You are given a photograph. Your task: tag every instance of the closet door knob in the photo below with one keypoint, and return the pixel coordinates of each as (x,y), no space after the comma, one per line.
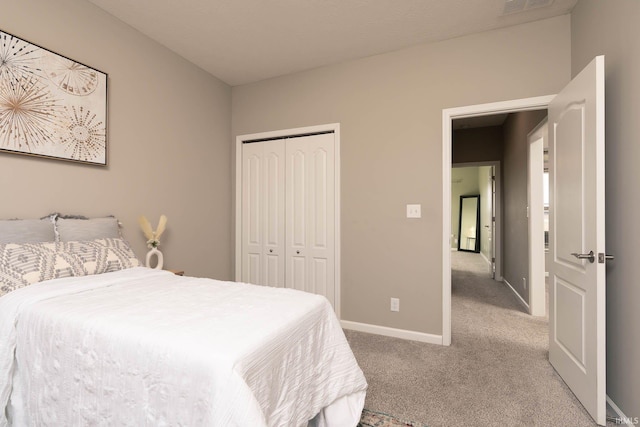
(298,252)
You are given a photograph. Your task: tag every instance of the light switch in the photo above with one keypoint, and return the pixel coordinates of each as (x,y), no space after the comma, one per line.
(414,211)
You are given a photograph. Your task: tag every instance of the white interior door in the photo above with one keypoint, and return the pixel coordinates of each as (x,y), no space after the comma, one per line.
(310,226)
(263,199)
(577,229)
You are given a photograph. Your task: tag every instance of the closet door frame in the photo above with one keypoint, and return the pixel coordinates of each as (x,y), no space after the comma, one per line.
(284,133)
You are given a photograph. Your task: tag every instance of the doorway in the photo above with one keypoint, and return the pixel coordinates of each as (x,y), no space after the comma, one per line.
(448,115)
(483,179)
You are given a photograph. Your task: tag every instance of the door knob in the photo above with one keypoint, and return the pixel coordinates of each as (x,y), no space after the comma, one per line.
(298,252)
(271,250)
(590,256)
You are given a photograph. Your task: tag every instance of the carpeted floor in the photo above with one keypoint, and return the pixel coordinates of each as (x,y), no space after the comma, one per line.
(495,373)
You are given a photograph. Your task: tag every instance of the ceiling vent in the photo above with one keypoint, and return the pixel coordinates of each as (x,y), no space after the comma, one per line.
(515,6)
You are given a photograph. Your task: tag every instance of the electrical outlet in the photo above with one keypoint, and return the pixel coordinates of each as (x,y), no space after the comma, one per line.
(524,283)
(395,304)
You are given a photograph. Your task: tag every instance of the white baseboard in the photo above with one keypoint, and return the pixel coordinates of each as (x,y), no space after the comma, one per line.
(520,299)
(392,332)
(625,421)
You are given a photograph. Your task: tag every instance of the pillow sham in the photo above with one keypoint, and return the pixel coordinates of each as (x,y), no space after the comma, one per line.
(24,264)
(73,229)
(27,231)
(100,255)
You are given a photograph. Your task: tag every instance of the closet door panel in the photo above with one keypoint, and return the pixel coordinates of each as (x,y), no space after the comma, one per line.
(310,185)
(254,269)
(319,281)
(298,273)
(297,195)
(322,215)
(263,213)
(274,216)
(252,229)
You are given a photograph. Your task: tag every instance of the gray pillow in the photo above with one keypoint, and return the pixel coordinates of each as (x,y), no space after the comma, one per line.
(71,230)
(27,231)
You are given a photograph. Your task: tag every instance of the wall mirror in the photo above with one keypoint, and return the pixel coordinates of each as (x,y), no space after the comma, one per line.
(468,230)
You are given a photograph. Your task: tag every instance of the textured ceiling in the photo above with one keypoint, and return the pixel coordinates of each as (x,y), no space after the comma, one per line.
(243,41)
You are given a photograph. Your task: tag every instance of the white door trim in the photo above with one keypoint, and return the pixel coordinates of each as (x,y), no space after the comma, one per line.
(331,127)
(448,115)
(535,167)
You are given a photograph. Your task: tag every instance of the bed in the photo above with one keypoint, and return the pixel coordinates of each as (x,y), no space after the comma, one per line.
(91,338)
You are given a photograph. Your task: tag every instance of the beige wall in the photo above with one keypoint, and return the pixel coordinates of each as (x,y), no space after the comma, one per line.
(168,139)
(515,225)
(390,109)
(611,28)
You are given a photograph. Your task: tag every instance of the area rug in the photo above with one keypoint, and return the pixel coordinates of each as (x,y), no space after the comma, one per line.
(380,419)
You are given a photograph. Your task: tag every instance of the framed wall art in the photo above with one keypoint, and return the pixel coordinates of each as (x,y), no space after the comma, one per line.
(50,105)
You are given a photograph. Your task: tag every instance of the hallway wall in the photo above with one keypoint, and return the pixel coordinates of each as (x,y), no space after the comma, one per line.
(514,199)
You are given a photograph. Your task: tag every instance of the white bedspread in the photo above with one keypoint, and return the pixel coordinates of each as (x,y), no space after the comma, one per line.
(143,347)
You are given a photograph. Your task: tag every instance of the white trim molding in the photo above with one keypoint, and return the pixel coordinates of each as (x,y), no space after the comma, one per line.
(392,332)
(448,115)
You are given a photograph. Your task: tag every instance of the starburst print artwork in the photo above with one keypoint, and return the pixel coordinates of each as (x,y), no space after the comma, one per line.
(50,105)
(84,137)
(17,58)
(71,77)
(27,114)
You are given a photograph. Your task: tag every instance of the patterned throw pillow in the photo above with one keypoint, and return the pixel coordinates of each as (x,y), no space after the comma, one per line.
(100,256)
(24,264)
(27,263)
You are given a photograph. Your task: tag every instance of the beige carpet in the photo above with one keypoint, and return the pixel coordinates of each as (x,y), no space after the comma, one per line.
(495,373)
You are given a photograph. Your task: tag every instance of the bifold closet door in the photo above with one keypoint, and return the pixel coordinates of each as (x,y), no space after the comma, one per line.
(263,213)
(310,214)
